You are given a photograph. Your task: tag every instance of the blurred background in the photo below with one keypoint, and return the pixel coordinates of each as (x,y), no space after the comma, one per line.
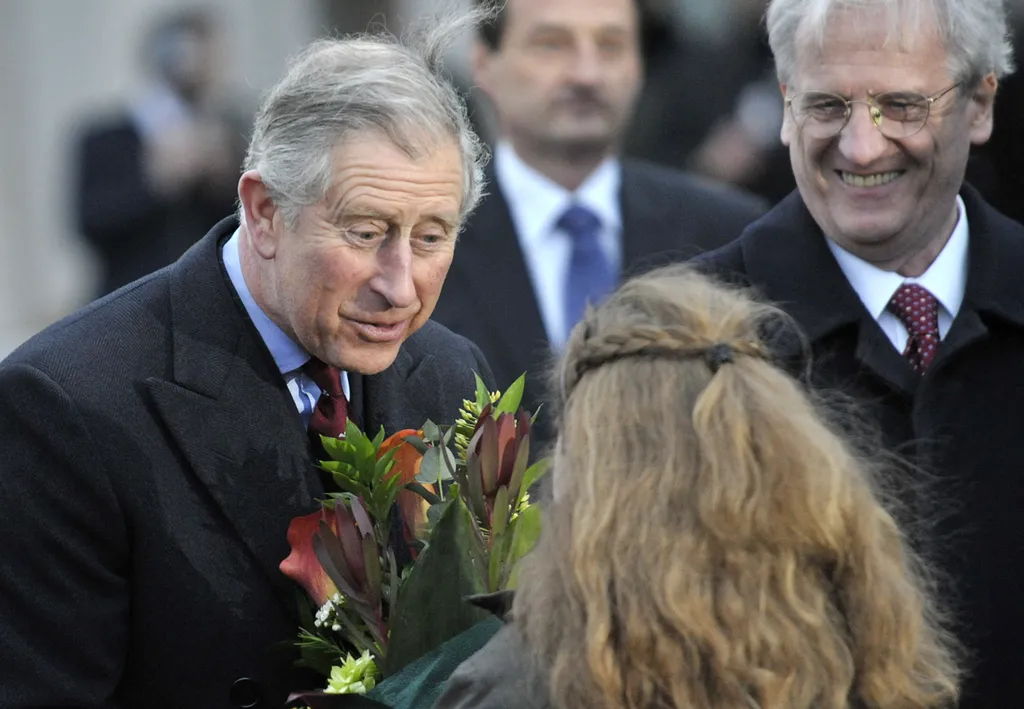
(88,84)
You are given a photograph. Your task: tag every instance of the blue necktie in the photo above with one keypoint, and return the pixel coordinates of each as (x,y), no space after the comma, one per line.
(590,277)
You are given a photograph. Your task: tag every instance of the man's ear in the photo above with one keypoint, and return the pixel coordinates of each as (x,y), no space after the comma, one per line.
(982,102)
(786,134)
(262,217)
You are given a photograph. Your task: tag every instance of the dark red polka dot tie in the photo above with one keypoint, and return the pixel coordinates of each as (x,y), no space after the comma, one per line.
(331,412)
(918,310)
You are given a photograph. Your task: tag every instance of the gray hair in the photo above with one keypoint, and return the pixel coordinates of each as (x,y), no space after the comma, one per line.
(369,82)
(974,32)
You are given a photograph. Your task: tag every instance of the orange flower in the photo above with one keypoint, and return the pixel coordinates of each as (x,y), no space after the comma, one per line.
(344,531)
(302,566)
(412,507)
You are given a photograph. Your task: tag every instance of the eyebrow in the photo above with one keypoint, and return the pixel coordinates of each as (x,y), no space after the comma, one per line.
(552,28)
(369,213)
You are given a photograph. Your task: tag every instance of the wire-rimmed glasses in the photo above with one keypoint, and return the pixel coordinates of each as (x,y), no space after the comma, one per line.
(897,114)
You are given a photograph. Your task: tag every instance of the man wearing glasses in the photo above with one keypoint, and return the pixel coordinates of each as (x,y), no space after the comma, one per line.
(908,286)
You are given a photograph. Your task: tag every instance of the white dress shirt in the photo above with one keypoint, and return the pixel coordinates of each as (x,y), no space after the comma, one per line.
(946,279)
(287,354)
(536,203)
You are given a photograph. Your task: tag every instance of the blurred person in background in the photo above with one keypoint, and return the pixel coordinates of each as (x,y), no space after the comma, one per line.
(713,542)
(710,101)
(907,282)
(152,178)
(566,216)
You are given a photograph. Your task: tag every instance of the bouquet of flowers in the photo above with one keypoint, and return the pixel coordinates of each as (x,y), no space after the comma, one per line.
(424,518)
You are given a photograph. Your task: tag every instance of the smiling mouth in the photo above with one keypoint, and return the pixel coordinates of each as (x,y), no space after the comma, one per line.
(876,179)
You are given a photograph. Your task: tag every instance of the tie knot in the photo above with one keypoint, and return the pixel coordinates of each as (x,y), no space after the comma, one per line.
(579,222)
(916,308)
(325,376)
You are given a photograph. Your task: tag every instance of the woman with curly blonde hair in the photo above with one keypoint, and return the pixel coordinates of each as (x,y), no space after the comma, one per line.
(713,541)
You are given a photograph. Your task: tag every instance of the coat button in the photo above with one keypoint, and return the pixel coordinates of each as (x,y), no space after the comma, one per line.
(246,693)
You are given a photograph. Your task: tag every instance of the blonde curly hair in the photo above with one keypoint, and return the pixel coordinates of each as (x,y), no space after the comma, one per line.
(713,541)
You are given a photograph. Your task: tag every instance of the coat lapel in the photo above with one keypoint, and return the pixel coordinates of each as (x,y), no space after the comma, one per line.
(230,414)
(993,284)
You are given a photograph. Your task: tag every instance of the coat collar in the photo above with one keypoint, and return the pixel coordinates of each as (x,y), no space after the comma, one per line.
(786,256)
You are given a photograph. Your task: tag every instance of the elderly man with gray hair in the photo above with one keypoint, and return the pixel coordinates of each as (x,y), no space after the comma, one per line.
(158,443)
(908,284)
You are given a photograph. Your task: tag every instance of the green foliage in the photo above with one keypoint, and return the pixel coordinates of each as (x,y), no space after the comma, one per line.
(430,608)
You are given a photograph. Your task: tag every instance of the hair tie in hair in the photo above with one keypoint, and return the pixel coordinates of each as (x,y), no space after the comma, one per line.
(719,354)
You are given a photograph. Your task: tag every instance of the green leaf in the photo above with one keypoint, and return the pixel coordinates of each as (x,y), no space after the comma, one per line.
(430,466)
(349,484)
(363,445)
(339,449)
(448,434)
(501,513)
(434,513)
(379,438)
(535,472)
(353,434)
(431,431)
(483,396)
(513,396)
(382,466)
(494,565)
(339,467)
(430,607)
(448,460)
(525,533)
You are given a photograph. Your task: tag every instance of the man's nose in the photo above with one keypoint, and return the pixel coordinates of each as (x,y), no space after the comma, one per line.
(860,141)
(394,280)
(586,66)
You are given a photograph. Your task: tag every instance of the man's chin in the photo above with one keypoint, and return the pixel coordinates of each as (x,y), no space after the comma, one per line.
(370,359)
(583,143)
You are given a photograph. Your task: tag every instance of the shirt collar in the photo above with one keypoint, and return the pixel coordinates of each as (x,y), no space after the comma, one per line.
(946,278)
(536,202)
(288,355)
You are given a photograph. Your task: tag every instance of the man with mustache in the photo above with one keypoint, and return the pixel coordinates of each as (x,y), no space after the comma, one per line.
(566,217)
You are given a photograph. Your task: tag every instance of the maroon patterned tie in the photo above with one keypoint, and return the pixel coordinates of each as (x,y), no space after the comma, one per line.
(918,310)
(331,412)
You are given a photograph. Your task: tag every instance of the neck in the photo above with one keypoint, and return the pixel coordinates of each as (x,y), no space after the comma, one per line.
(567,166)
(915,264)
(253,271)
